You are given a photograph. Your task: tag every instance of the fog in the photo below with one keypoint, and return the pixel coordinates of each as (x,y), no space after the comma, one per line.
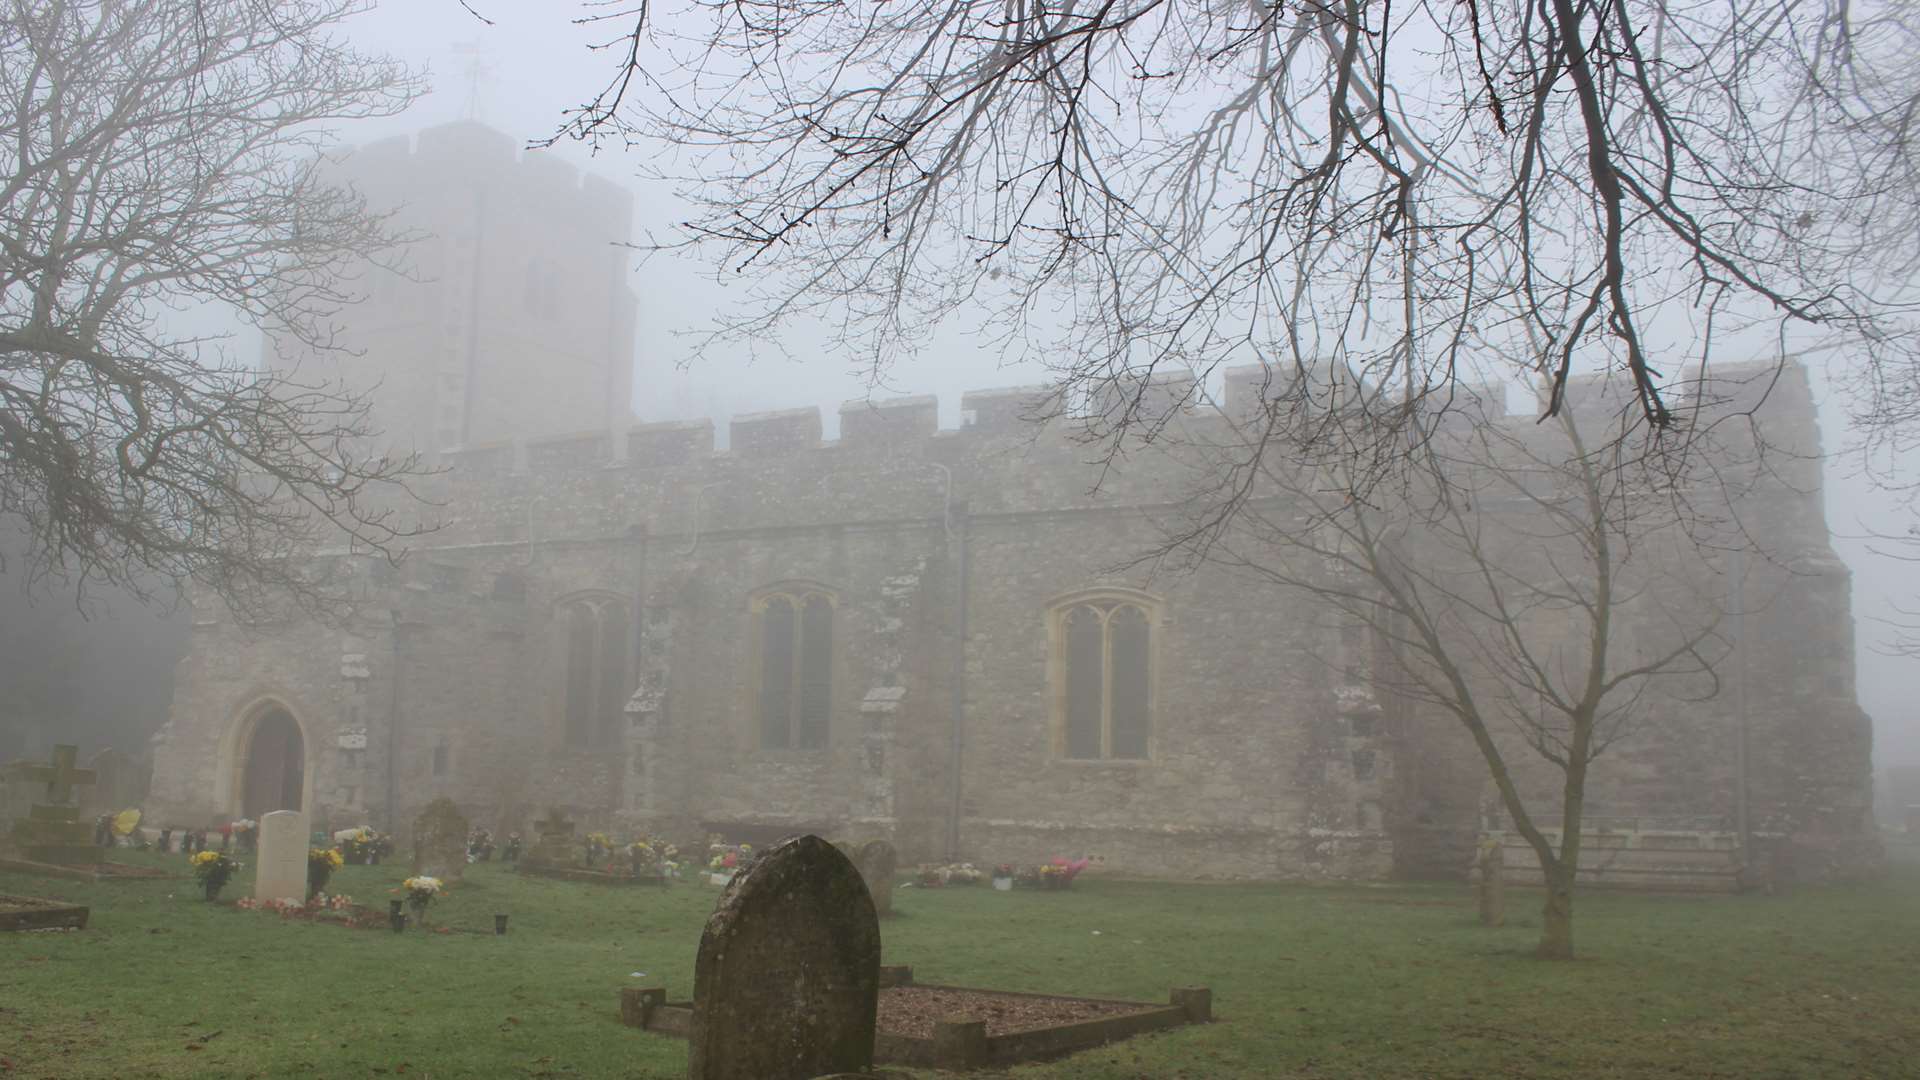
(534,67)
(1059,525)
(521,73)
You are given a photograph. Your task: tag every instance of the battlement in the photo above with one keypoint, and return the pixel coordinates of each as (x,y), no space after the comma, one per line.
(909,426)
(472,152)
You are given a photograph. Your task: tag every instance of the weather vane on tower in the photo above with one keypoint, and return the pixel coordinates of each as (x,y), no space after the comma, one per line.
(477,70)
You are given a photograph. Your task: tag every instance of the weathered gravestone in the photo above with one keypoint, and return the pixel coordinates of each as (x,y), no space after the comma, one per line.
(280,866)
(440,841)
(16,803)
(1492,884)
(52,831)
(787,985)
(878,864)
(120,783)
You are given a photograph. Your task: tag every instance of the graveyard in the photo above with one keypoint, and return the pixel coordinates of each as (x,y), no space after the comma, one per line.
(1306,981)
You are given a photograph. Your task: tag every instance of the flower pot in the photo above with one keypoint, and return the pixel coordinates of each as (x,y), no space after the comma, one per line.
(212,887)
(1004,884)
(499,924)
(720,879)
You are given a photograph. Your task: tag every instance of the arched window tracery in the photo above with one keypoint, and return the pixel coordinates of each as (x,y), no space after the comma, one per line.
(595,641)
(1104,675)
(794,629)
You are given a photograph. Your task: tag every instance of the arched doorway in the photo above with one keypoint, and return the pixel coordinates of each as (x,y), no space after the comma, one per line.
(276,768)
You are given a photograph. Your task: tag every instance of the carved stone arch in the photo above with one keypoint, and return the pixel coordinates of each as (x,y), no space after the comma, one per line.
(599,599)
(268,753)
(793,588)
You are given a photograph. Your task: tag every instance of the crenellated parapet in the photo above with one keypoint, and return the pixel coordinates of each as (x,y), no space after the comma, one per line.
(476,151)
(1029,424)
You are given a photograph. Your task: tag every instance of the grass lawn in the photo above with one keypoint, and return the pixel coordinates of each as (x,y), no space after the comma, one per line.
(1307,982)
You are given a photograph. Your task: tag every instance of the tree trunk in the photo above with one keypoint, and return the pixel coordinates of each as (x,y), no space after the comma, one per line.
(1556,934)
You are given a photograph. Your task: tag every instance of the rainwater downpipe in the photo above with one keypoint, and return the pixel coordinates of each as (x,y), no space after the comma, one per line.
(393,730)
(954,518)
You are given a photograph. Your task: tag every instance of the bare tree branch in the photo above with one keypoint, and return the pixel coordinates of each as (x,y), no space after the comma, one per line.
(156,156)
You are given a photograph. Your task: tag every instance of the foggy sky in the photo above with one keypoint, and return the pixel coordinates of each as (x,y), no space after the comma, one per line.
(535,64)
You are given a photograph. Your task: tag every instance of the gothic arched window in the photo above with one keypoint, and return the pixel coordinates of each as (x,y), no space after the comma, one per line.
(595,640)
(1103,675)
(793,627)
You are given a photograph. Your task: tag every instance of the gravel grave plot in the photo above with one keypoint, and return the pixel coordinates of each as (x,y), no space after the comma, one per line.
(913,1010)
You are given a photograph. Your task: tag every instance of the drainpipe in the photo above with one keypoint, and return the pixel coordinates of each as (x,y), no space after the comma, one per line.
(393,730)
(957,531)
(636,658)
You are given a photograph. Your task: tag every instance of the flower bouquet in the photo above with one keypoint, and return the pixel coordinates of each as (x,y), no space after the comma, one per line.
(1003,876)
(421,891)
(1059,873)
(725,861)
(364,846)
(934,877)
(321,863)
(651,855)
(599,846)
(214,869)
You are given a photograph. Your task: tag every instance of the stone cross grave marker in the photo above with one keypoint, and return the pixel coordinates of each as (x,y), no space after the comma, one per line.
(440,841)
(280,866)
(787,984)
(878,863)
(52,832)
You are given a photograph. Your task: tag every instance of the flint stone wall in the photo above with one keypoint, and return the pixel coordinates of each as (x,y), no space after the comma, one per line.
(1266,761)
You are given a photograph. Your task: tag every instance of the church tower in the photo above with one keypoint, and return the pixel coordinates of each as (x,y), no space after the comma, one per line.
(513,318)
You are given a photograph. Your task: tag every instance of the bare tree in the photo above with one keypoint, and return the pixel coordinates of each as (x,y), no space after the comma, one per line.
(1128,186)
(1525,583)
(155,156)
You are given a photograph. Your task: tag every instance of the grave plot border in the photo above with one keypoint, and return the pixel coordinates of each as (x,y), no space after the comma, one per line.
(89,872)
(581,873)
(37,913)
(964,1045)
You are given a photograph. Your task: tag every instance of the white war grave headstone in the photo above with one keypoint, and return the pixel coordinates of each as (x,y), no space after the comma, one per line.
(280,869)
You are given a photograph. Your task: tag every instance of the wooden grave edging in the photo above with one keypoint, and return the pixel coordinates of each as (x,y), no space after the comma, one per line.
(964,1044)
(89,872)
(35,913)
(581,873)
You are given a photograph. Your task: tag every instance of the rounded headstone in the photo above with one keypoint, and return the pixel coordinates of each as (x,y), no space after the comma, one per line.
(787,985)
(878,863)
(440,841)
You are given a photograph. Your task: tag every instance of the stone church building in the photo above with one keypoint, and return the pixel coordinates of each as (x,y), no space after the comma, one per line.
(912,633)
